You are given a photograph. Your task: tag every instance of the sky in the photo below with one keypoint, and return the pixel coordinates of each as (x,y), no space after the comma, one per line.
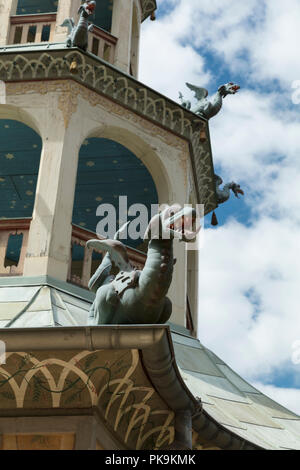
(249,265)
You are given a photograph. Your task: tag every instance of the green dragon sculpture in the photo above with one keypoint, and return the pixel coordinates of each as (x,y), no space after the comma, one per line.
(78,35)
(139,297)
(205,107)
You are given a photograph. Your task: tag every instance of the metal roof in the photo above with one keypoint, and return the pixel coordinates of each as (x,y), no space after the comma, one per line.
(232,401)
(229,403)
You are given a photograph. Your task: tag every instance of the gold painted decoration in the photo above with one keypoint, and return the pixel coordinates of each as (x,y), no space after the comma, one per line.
(114,381)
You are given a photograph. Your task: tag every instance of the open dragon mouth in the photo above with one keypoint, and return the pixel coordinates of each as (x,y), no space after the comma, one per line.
(237,190)
(234,88)
(90,8)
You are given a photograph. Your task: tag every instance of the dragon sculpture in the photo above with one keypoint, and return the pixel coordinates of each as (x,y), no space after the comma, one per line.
(78,35)
(140,296)
(205,107)
(224,194)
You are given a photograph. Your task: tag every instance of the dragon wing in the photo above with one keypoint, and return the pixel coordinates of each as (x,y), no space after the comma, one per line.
(200,93)
(116,249)
(68,23)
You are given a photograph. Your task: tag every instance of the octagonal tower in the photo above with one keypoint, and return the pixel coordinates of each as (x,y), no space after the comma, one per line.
(78,130)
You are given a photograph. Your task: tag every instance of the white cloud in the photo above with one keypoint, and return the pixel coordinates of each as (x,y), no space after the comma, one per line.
(289,396)
(249,276)
(165,62)
(264,33)
(238,263)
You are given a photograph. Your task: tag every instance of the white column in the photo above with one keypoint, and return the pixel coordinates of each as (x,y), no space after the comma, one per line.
(193,284)
(122,29)
(66,9)
(7,9)
(50,232)
(135,41)
(177,292)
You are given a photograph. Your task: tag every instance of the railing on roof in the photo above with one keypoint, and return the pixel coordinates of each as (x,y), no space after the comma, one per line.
(81,271)
(102,44)
(39,28)
(13,247)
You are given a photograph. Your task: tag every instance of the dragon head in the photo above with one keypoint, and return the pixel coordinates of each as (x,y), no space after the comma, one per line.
(228,89)
(236,189)
(88,8)
(174,222)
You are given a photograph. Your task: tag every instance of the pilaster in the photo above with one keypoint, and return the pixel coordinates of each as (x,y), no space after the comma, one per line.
(122,29)
(7,9)
(49,241)
(66,9)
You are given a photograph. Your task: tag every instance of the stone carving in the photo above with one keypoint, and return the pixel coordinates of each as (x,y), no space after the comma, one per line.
(205,107)
(140,296)
(78,35)
(224,194)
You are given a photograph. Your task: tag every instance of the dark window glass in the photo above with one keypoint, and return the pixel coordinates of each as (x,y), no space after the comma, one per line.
(46,33)
(29,7)
(18,35)
(31,34)
(95,46)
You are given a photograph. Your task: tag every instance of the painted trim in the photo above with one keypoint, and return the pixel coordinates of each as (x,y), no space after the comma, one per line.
(39,18)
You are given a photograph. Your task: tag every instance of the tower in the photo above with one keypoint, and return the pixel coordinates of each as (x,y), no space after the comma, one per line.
(78,130)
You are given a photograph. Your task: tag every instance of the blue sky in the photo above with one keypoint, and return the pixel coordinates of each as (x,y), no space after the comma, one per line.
(249,270)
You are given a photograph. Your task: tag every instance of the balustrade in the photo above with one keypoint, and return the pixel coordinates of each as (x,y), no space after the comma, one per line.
(81,271)
(38,28)
(32,28)
(13,252)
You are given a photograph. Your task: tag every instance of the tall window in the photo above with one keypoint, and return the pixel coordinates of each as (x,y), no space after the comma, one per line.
(20,150)
(103,15)
(30,7)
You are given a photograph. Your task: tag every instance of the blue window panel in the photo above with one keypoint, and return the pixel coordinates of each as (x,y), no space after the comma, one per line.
(103,14)
(30,7)
(20,150)
(13,250)
(107,170)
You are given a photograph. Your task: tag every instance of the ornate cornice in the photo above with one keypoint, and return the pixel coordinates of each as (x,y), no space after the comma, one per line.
(107,81)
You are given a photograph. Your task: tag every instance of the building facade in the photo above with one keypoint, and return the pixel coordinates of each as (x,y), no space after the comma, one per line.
(78,130)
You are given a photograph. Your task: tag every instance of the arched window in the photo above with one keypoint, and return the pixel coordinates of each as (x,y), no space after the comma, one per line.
(107,171)
(20,151)
(30,7)
(103,15)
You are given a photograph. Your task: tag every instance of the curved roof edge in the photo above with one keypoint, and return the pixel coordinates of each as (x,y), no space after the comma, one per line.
(155,344)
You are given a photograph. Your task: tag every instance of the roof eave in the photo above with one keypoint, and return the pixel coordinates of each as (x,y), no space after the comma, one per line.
(155,344)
